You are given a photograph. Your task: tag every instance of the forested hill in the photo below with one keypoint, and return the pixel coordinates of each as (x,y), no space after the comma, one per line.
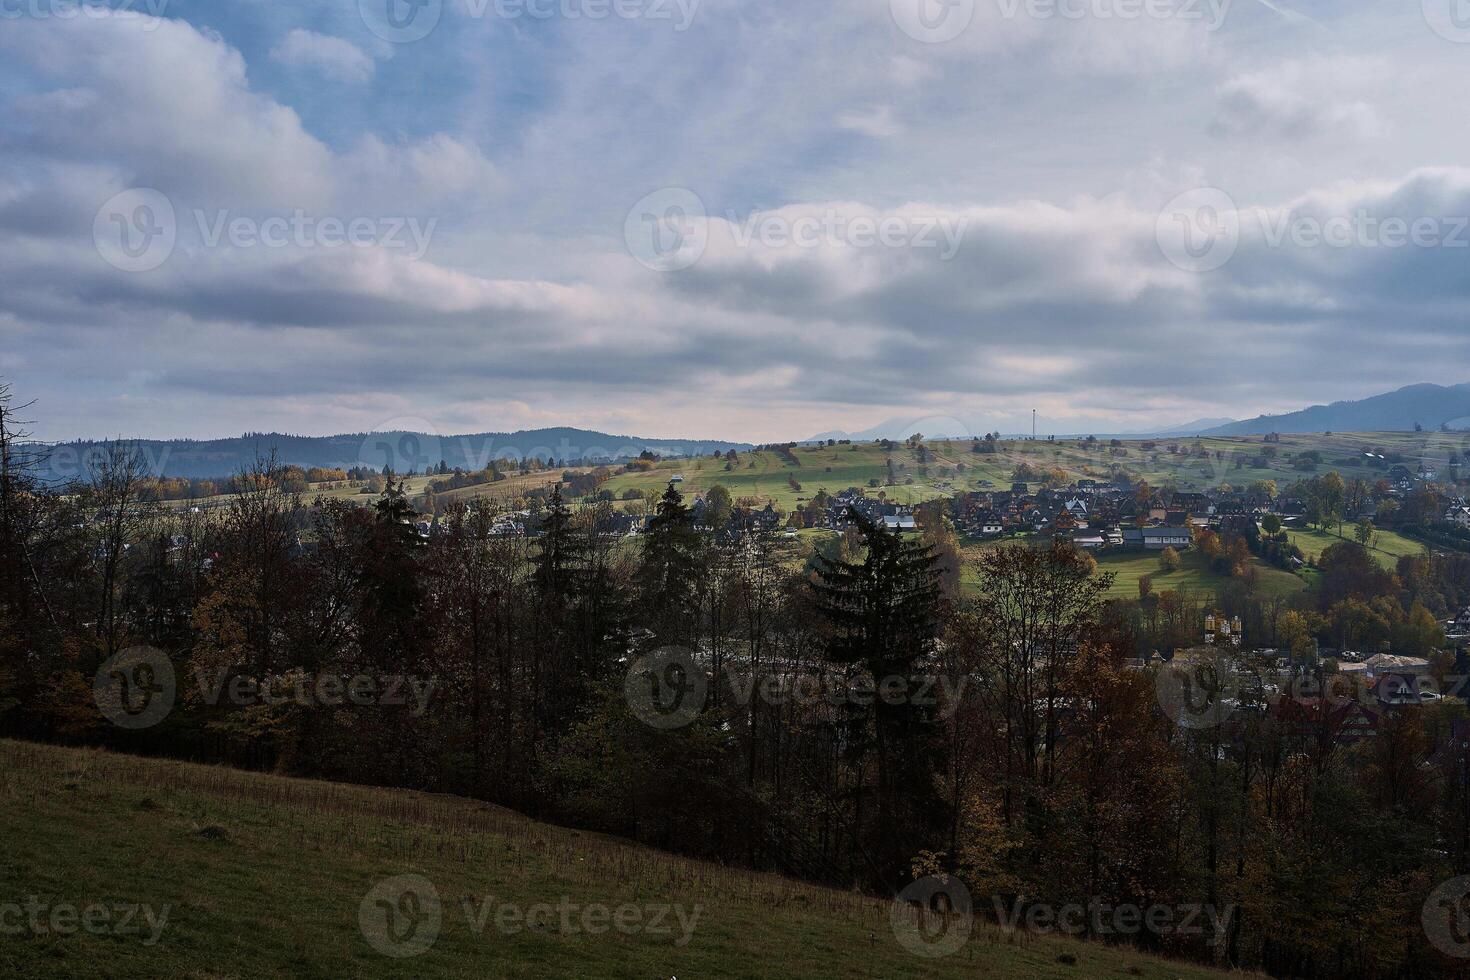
(1429,406)
(402,450)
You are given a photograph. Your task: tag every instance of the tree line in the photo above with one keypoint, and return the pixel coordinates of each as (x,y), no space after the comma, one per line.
(988,722)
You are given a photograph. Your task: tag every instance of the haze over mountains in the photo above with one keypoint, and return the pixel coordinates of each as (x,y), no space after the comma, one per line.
(401,451)
(1429,406)
(1426,405)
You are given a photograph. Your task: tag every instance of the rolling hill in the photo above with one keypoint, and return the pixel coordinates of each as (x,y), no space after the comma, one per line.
(404,451)
(1426,405)
(240,874)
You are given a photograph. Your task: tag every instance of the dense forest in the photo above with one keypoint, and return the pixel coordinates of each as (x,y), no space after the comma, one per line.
(860,720)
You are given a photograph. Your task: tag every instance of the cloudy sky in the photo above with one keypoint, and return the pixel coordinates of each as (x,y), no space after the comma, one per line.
(751,219)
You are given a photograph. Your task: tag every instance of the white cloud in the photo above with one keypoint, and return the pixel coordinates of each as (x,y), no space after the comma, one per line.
(331,56)
(875,121)
(1299,100)
(1054,141)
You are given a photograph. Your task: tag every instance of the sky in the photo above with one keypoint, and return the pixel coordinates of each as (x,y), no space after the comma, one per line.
(732,219)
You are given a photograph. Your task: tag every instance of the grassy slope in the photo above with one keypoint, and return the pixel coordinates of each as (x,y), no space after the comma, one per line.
(1388,547)
(1193,575)
(505,490)
(764,474)
(265,876)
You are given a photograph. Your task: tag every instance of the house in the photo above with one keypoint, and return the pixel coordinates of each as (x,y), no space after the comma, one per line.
(1345,719)
(1158,538)
(1385,664)
(1458,515)
(900,522)
(989,523)
(1087,540)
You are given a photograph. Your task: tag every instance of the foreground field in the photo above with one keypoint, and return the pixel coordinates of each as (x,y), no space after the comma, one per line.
(261,876)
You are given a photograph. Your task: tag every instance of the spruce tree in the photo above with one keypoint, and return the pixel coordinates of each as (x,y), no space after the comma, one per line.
(671,569)
(882,615)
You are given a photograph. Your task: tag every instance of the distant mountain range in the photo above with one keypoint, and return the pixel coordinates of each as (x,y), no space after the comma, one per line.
(402,451)
(1429,406)
(1426,405)
(1009,427)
